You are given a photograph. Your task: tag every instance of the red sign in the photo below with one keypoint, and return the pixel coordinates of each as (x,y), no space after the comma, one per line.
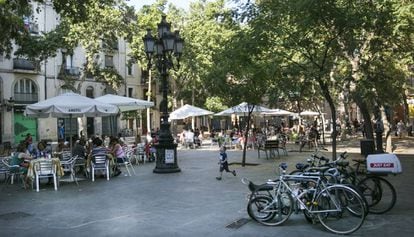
(382,165)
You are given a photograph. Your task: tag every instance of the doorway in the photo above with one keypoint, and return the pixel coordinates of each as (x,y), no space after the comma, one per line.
(90,126)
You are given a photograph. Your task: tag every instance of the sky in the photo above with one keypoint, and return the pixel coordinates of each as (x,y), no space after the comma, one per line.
(185,4)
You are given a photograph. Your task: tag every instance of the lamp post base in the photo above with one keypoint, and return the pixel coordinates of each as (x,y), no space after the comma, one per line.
(166,160)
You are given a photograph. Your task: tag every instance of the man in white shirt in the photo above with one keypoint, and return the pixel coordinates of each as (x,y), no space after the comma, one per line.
(189,138)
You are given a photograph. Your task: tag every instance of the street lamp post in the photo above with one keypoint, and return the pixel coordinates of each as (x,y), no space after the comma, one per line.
(163,49)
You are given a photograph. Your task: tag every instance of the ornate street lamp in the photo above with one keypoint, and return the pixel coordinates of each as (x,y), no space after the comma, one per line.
(163,49)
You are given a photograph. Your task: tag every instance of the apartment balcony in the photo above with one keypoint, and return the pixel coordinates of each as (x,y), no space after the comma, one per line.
(25,65)
(73,72)
(25,98)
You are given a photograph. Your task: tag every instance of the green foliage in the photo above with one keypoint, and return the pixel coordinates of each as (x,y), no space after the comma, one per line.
(208,26)
(130,115)
(12,27)
(215,104)
(108,76)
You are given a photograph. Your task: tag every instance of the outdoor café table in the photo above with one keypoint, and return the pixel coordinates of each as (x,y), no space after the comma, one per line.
(34,162)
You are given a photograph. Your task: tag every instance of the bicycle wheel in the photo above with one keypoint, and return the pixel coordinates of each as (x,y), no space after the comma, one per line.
(340,209)
(356,189)
(296,172)
(270,211)
(379,193)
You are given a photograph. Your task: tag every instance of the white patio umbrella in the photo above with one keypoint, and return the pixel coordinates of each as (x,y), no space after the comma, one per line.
(70,105)
(277,112)
(188,111)
(125,103)
(309,113)
(242,109)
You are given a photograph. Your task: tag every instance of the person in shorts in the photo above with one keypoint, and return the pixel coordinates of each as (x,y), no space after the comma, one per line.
(224,165)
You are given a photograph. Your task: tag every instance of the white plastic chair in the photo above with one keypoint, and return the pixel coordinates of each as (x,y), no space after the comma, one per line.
(68,166)
(127,163)
(10,171)
(45,168)
(140,152)
(99,162)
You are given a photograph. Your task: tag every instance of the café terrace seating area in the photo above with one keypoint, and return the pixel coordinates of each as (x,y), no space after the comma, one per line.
(50,170)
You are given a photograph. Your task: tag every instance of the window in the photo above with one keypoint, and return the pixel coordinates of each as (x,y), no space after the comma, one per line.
(25,90)
(89,92)
(130,90)
(129,68)
(109,61)
(25,86)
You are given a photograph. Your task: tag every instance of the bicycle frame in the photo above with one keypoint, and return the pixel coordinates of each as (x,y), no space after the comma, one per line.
(297,198)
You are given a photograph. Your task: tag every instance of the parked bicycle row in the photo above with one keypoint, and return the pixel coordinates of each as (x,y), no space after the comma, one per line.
(334,193)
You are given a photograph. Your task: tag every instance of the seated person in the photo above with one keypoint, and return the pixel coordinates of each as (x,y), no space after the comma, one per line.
(79,148)
(43,149)
(118,153)
(20,159)
(62,146)
(98,148)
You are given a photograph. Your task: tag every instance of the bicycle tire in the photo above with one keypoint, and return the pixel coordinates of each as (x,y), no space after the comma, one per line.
(296,172)
(356,189)
(340,209)
(379,193)
(270,212)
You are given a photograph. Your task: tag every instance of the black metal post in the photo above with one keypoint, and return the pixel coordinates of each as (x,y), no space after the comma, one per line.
(164,48)
(166,149)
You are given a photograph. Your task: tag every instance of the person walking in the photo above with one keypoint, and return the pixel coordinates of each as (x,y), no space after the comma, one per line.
(400,129)
(224,165)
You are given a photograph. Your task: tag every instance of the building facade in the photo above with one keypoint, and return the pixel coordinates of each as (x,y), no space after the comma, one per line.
(23,82)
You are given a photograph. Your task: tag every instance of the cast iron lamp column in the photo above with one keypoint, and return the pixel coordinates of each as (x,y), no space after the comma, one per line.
(164,49)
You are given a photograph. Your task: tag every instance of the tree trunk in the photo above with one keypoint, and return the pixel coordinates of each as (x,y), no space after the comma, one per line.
(246,136)
(327,95)
(369,133)
(387,131)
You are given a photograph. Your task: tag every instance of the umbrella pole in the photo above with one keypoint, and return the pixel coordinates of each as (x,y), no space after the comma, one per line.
(70,132)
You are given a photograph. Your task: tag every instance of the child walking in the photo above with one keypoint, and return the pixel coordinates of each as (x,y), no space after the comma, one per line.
(224,165)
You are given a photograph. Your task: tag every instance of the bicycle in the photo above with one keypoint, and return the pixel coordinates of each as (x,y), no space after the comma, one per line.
(379,194)
(339,208)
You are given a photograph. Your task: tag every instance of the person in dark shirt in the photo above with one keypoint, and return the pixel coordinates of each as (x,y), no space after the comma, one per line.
(224,165)
(79,148)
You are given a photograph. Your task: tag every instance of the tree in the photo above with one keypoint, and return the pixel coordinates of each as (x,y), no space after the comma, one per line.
(207,25)
(239,74)
(296,35)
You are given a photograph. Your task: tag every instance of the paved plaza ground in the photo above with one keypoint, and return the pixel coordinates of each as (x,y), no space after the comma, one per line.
(189,203)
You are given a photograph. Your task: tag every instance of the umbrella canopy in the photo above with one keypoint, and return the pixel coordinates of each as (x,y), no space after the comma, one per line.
(70,105)
(277,112)
(309,113)
(188,111)
(125,103)
(242,109)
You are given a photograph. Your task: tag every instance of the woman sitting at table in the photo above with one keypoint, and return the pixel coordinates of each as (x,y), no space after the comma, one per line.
(21,158)
(99,149)
(118,154)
